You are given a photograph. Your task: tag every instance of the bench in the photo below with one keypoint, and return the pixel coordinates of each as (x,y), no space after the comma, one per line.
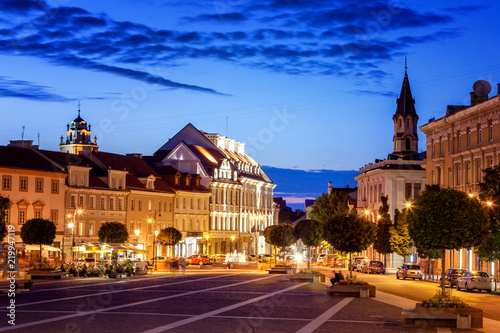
(410,317)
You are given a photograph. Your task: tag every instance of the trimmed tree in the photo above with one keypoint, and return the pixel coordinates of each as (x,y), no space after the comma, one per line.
(311,234)
(113,232)
(489,190)
(169,237)
(327,205)
(4,205)
(349,233)
(400,238)
(280,236)
(268,237)
(382,242)
(38,232)
(442,219)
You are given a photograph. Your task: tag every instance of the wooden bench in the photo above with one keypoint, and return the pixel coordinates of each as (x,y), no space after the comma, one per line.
(410,317)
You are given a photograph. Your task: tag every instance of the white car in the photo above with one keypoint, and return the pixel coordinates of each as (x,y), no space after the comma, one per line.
(474,280)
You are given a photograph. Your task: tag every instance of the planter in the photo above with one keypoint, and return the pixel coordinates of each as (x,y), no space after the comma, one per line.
(446,317)
(282,270)
(353,290)
(45,274)
(309,277)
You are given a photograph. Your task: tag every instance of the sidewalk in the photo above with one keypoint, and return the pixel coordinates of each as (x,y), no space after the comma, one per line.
(489,325)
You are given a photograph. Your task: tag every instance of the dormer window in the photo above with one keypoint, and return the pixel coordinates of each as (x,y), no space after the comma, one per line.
(150,184)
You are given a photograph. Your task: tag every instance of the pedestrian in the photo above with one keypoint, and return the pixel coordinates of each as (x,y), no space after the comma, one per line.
(174,266)
(337,278)
(183,265)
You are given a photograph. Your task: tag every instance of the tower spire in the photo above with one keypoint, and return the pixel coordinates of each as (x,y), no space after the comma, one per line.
(406,67)
(78,108)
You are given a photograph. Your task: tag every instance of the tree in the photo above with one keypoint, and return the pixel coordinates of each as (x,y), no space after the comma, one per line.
(382,242)
(38,232)
(349,233)
(400,238)
(113,232)
(428,255)
(280,235)
(489,190)
(4,205)
(328,205)
(311,234)
(441,219)
(169,237)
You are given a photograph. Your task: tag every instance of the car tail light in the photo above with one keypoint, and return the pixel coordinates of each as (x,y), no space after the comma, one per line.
(406,269)
(472,279)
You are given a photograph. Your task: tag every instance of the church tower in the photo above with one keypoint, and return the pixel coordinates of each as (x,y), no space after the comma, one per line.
(405,122)
(78,137)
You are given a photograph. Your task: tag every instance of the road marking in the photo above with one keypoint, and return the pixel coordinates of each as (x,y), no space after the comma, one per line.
(80,314)
(325,316)
(114,291)
(224,309)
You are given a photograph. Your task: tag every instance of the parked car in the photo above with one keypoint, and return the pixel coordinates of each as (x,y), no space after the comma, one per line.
(372,266)
(409,271)
(356,261)
(219,258)
(321,258)
(314,258)
(339,262)
(198,260)
(329,260)
(474,280)
(452,274)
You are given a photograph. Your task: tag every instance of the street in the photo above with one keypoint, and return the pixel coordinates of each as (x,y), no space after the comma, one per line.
(212,300)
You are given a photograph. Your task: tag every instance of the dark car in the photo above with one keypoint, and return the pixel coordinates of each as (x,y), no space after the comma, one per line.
(373,266)
(409,271)
(452,274)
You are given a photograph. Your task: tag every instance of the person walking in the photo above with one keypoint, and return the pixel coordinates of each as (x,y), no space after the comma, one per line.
(183,264)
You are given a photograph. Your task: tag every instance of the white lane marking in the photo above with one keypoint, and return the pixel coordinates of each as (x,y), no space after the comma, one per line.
(80,314)
(325,316)
(224,309)
(114,291)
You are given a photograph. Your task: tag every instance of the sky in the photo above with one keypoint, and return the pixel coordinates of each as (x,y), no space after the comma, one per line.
(306,84)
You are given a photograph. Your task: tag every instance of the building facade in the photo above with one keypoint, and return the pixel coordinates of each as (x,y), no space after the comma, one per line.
(460,145)
(401,176)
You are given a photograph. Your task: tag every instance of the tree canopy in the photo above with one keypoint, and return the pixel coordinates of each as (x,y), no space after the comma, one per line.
(327,205)
(38,232)
(113,232)
(4,205)
(489,190)
(311,234)
(382,241)
(169,236)
(441,219)
(400,238)
(282,235)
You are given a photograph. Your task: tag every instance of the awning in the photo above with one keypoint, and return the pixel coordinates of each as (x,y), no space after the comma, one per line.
(31,247)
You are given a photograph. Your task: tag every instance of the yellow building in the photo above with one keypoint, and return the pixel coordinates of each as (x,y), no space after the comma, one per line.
(35,187)
(459,146)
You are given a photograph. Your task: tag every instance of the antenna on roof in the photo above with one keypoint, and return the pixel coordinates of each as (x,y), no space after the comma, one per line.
(22,133)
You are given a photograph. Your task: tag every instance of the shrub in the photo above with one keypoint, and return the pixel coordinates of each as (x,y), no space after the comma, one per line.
(444,301)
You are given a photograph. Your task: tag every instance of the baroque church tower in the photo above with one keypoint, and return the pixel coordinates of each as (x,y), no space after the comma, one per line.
(405,122)
(78,137)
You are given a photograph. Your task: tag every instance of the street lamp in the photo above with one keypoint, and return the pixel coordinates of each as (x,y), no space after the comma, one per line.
(150,220)
(154,247)
(207,237)
(72,227)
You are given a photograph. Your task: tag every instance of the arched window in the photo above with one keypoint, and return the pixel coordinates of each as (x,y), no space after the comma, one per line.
(408,144)
(83,137)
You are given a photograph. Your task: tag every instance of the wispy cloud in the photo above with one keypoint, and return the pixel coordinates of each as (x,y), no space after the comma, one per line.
(301,37)
(28,90)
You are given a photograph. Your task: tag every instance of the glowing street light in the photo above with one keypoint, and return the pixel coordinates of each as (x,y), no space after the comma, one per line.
(207,237)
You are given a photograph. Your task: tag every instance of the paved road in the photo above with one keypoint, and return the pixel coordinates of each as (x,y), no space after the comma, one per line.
(204,300)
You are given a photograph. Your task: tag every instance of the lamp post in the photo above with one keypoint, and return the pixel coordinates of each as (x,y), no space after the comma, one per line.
(207,237)
(72,227)
(154,247)
(150,220)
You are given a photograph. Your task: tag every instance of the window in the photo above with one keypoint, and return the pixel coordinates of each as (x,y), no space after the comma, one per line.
(467,173)
(450,143)
(459,174)
(91,229)
(176,202)
(139,205)
(38,184)
(132,204)
(150,228)
(22,216)
(103,203)
(120,204)
(72,201)
(6,182)
(184,203)
(80,229)
(191,206)
(170,206)
(23,184)
(479,134)
(55,186)
(53,216)
(91,202)
(450,177)
(150,206)
(408,191)
(440,146)
(490,130)
(131,230)
(478,171)
(81,201)
(113,182)
(38,214)
(120,183)
(111,203)
(433,150)
(164,206)
(6,216)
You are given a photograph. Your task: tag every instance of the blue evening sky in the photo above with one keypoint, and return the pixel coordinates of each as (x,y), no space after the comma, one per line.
(306,84)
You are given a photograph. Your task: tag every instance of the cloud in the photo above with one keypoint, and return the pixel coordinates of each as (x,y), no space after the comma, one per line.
(28,90)
(302,37)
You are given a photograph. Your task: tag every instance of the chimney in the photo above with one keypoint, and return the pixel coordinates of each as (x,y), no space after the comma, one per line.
(22,144)
(138,155)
